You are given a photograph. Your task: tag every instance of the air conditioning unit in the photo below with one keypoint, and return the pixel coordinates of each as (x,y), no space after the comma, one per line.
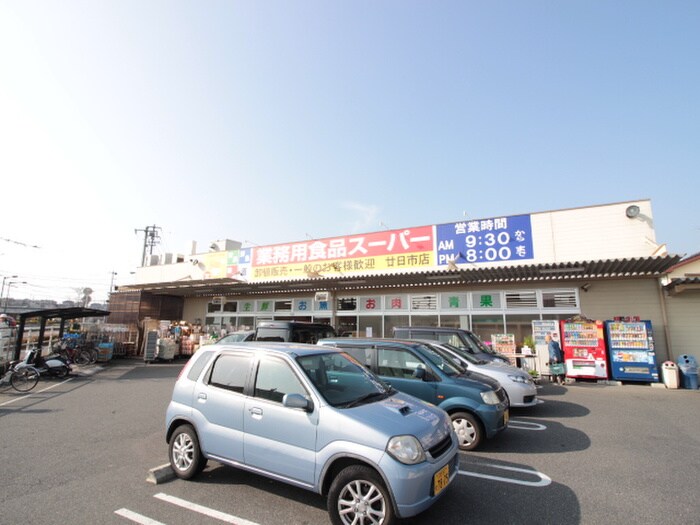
(218,300)
(322,297)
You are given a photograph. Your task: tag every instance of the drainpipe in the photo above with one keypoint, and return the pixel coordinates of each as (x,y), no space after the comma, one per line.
(664,317)
(331,296)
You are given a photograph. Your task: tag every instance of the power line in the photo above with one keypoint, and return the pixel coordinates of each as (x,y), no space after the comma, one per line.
(19,243)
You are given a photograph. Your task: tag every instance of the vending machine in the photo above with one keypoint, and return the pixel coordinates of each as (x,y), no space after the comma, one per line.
(583,343)
(631,350)
(540,329)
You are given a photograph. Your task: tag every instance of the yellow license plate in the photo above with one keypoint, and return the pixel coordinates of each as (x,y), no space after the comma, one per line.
(506,416)
(441,479)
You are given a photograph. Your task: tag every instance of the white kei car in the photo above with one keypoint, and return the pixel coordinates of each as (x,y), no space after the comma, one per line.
(517,383)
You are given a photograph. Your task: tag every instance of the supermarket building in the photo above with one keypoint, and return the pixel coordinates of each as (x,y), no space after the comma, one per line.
(492,276)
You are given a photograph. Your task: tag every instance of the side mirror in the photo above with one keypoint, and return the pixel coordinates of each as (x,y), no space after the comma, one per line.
(419,373)
(297,401)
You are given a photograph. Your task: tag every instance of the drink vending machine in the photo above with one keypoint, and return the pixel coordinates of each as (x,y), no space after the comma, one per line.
(540,329)
(631,349)
(583,343)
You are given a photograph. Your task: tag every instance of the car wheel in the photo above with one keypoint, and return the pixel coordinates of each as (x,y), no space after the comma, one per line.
(358,496)
(468,429)
(185,455)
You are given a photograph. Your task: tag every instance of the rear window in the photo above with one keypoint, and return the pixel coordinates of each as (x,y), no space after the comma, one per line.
(231,372)
(200,361)
(272,334)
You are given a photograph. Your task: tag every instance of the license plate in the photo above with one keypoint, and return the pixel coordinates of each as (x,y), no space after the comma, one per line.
(506,416)
(441,479)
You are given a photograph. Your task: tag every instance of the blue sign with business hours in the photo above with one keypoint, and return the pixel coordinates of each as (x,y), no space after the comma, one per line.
(485,240)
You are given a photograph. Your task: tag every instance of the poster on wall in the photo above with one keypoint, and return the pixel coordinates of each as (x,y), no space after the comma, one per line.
(484,240)
(503,343)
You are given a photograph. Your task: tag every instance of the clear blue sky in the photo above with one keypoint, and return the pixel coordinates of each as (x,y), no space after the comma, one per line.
(275,121)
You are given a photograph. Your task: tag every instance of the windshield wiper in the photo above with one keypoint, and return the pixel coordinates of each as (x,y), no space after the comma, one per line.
(365,398)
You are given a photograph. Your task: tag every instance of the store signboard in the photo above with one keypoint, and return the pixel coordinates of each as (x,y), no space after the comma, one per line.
(457,301)
(213,265)
(406,249)
(370,303)
(485,240)
(265,306)
(486,300)
(397,302)
(411,249)
(246,306)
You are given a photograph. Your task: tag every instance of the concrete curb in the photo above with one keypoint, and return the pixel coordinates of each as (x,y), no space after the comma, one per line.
(160,474)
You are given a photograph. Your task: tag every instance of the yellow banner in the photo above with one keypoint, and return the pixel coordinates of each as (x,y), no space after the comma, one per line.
(336,268)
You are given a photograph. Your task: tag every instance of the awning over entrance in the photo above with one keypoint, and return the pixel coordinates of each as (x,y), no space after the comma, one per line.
(52,313)
(462,274)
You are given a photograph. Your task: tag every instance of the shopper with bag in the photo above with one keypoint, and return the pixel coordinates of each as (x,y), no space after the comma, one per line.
(556,359)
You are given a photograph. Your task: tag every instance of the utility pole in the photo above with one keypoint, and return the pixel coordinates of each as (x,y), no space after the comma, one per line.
(151,238)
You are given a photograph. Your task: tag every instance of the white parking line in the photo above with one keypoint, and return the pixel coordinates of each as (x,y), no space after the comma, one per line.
(525,425)
(221,516)
(543,481)
(136,517)
(36,392)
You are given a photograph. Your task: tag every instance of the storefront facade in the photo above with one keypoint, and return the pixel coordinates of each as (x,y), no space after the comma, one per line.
(492,276)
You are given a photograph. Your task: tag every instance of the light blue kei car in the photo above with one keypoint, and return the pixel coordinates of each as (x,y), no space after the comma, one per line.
(313,417)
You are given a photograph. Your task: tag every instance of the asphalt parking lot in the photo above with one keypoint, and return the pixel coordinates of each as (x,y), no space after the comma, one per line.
(589,453)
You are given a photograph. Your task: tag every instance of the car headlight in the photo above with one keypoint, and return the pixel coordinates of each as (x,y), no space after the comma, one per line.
(519,379)
(406,449)
(490,397)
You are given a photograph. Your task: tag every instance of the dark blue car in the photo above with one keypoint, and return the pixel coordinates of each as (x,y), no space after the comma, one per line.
(477,404)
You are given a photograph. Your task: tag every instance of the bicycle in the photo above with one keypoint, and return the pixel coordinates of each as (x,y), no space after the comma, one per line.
(22,379)
(74,352)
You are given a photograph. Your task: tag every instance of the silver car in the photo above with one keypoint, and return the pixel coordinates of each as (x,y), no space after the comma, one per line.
(313,417)
(518,384)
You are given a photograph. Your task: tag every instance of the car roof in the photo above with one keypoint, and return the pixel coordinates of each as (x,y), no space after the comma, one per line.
(432,328)
(291,349)
(285,324)
(390,340)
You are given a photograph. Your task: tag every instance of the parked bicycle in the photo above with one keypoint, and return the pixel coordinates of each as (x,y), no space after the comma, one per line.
(75,352)
(21,379)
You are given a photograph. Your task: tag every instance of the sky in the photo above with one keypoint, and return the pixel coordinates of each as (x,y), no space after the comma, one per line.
(273,122)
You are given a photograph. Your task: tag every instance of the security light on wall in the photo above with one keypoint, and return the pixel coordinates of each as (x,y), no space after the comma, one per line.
(632,211)
(585,287)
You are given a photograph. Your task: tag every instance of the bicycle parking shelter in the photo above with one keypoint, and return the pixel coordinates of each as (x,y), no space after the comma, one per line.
(52,313)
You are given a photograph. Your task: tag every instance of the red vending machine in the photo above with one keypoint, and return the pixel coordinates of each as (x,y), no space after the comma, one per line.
(583,343)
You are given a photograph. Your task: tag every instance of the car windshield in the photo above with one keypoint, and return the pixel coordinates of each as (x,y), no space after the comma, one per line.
(272,334)
(235,337)
(464,355)
(445,364)
(342,381)
(479,345)
(444,354)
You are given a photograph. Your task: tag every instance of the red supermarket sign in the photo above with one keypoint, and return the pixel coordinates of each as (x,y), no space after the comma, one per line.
(392,249)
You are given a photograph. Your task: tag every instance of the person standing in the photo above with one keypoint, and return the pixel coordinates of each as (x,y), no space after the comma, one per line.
(556,356)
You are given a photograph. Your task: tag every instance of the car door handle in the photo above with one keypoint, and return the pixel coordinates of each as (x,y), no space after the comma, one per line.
(201,396)
(256,412)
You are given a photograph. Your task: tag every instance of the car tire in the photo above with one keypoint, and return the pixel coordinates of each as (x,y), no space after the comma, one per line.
(358,495)
(186,457)
(468,428)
